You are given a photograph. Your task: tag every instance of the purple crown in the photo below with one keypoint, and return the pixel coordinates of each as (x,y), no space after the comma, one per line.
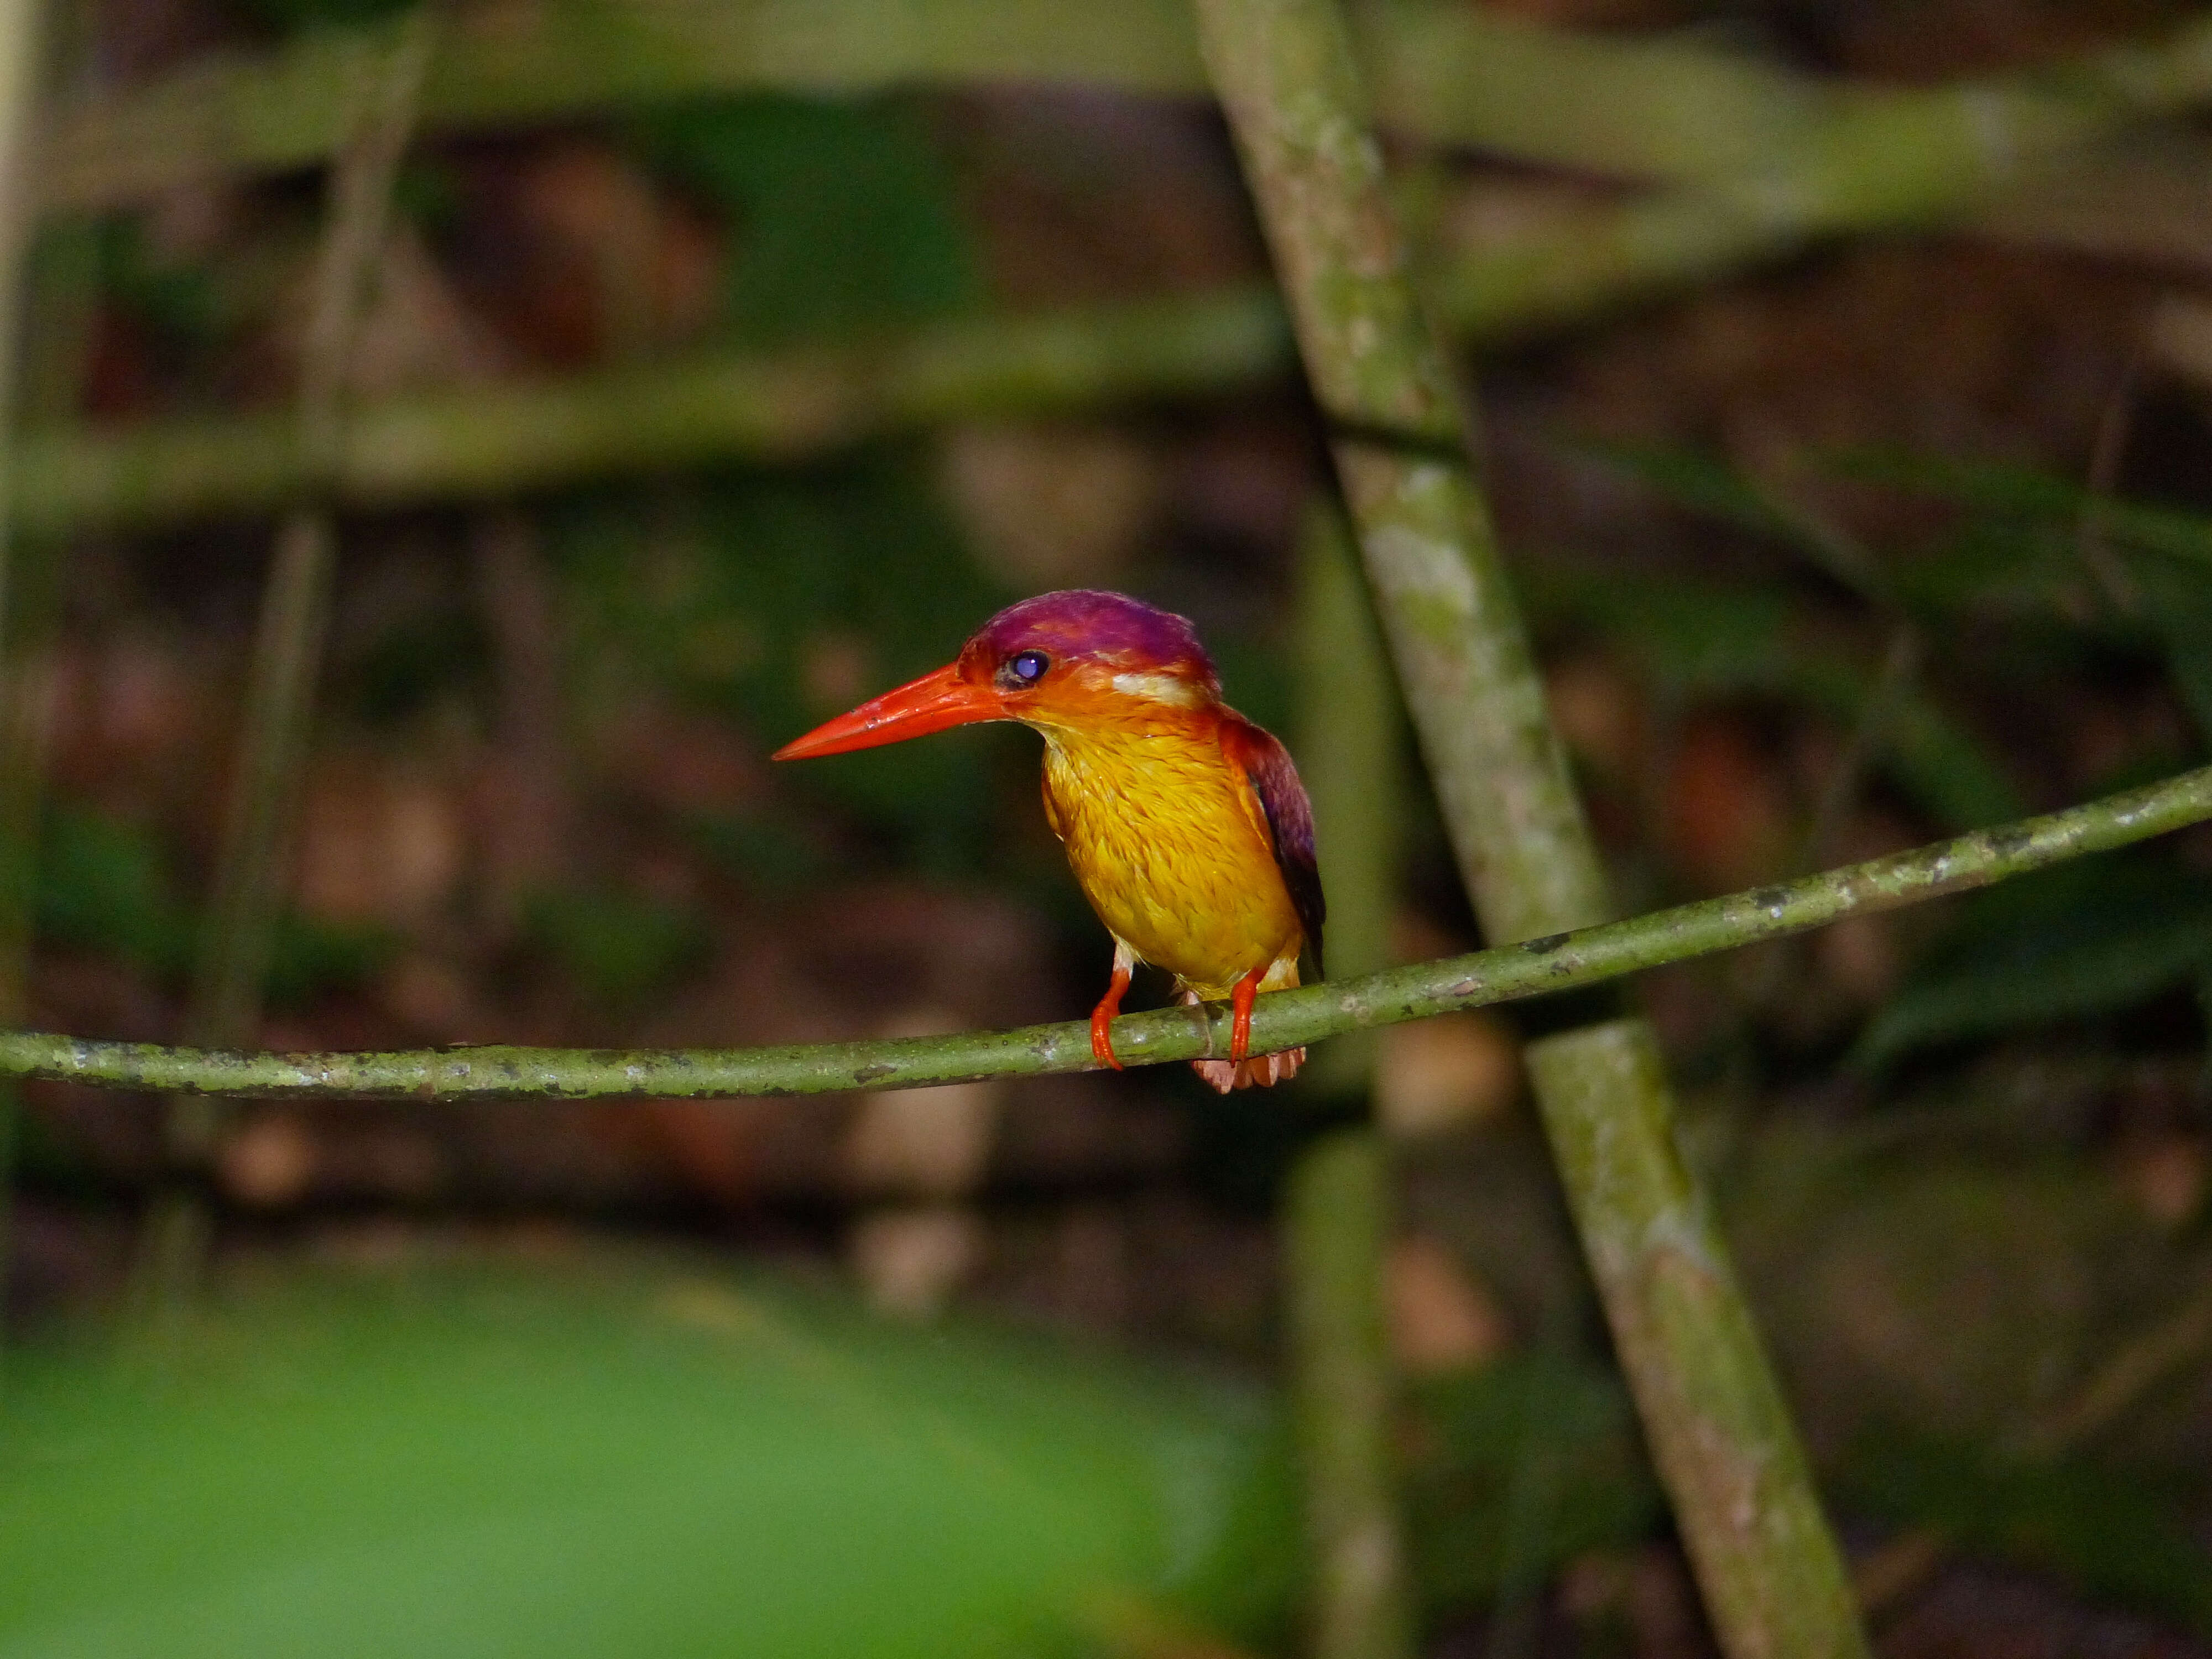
(1083,621)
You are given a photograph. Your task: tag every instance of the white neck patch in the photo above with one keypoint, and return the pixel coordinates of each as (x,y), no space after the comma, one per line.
(1158,686)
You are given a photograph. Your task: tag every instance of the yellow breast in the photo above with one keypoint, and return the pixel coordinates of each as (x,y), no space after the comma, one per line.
(1171,850)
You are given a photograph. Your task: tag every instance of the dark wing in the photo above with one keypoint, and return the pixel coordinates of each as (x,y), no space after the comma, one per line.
(1274,780)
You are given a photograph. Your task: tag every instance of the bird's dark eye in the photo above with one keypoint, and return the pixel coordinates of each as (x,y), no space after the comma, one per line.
(1027,667)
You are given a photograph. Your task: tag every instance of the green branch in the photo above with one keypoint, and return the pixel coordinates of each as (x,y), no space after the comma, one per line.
(1630,108)
(525,434)
(1804,163)
(295,597)
(23,43)
(1567,961)
(505,66)
(1720,1434)
(1890,163)
(1800,163)
(1337,1202)
(258,823)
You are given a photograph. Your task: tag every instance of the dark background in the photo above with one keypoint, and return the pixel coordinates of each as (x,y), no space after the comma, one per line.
(1811,582)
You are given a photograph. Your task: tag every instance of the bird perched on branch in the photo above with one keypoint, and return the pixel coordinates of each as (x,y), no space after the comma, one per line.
(1185,823)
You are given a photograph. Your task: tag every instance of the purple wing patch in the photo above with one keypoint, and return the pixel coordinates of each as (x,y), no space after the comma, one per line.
(1290,819)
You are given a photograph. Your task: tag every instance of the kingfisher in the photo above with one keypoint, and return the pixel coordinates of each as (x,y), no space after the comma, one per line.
(1185,823)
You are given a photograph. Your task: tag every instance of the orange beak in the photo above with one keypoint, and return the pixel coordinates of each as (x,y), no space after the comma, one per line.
(931,704)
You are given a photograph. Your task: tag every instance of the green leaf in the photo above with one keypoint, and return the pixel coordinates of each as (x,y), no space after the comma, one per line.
(618,947)
(1705,485)
(1692,635)
(178,303)
(2178,603)
(309,958)
(104,884)
(1934,758)
(2169,550)
(1989,565)
(298,17)
(785,597)
(2093,938)
(2106,1533)
(847,217)
(1708,637)
(1946,768)
(1534,1460)
(457,1465)
(2023,494)
(766,851)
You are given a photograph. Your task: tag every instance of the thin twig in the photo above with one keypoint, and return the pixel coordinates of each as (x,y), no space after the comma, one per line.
(1720,1434)
(22,39)
(1854,164)
(254,861)
(1337,1204)
(288,650)
(2115,426)
(528,844)
(2144,1362)
(1564,962)
(1887,1574)
(496,440)
(1336,1212)
(1652,108)
(2131,1371)
(1900,666)
(62,292)
(1350,743)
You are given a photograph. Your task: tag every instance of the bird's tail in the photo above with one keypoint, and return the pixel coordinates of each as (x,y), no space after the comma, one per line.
(1260,1071)
(1257,1070)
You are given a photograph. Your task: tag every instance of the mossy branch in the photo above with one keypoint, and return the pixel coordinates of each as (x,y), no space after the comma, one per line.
(1900,160)
(296,598)
(23,45)
(1567,961)
(1630,108)
(1778,162)
(255,857)
(1720,1434)
(1337,1202)
(525,435)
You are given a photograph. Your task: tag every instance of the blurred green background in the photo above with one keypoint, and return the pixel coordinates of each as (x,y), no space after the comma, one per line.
(1902,534)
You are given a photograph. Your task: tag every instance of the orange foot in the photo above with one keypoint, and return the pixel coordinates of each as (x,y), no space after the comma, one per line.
(1239,1002)
(1102,1043)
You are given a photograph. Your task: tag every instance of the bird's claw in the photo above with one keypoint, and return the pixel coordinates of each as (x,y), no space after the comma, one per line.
(1102,1043)
(1240,1024)
(1102,1019)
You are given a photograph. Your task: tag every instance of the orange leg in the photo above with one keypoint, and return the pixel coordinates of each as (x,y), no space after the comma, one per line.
(1102,1043)
(1240,1003)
